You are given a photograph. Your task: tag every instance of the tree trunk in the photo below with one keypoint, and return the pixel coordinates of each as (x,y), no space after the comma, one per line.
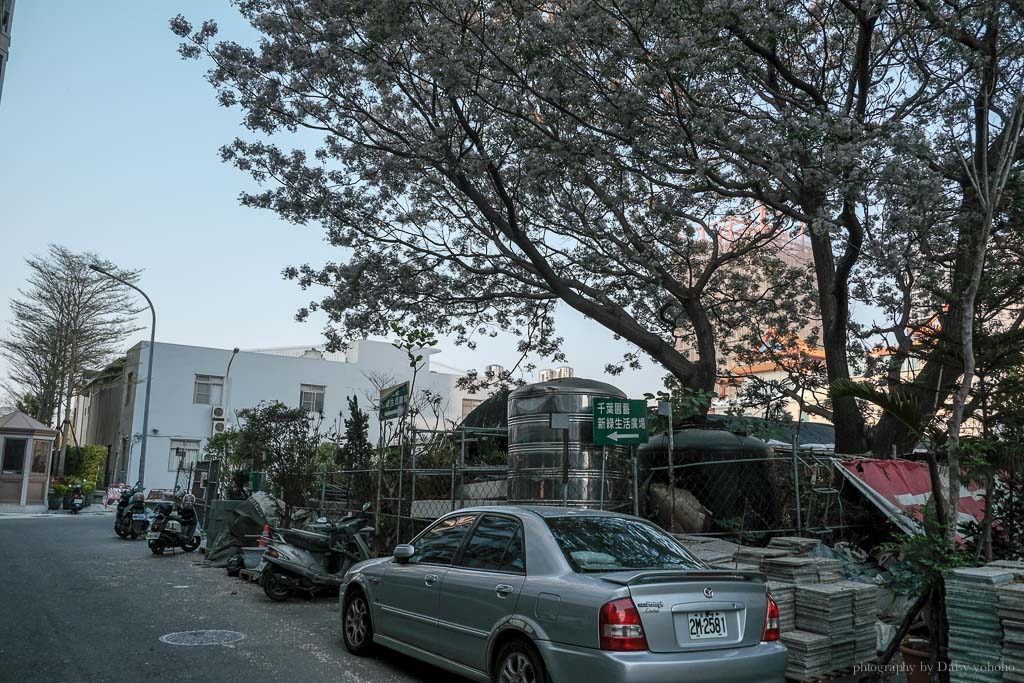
(833,299)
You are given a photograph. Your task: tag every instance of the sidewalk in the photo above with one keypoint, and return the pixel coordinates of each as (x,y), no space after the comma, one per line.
(91,510)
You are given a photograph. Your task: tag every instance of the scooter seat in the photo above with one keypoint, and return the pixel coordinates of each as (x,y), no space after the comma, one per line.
(306,539)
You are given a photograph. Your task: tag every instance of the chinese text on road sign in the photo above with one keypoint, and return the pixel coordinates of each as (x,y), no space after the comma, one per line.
(619,422)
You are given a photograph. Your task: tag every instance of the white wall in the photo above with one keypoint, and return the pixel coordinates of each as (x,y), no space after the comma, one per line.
(259,377)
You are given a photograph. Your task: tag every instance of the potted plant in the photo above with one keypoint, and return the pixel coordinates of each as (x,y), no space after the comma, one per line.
(55,496)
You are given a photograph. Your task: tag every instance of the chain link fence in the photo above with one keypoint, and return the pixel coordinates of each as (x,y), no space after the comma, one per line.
(743,498)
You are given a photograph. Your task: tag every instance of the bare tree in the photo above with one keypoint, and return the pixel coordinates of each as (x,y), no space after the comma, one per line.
(66,322)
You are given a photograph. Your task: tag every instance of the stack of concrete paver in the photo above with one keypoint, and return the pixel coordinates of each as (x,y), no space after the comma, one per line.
(829,570)
(795,570)
(865,610)
(975,633)
(808,655)
(827,610)
(794,545)
(1011,615)
(757,556)
(802,570)
(785,598)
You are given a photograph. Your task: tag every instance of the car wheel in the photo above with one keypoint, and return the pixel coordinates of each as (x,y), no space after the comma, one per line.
(356,627)
(518,662)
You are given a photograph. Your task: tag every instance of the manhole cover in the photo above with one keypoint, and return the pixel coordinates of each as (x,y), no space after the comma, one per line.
(202,637)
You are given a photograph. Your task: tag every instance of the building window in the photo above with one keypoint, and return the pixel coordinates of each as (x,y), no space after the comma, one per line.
(208,390)
(469,405)
(311,397)
(14,456)
(40,456)
(128,388)
(184,453)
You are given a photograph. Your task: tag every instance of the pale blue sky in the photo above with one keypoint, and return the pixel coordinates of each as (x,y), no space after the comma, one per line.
(108,143)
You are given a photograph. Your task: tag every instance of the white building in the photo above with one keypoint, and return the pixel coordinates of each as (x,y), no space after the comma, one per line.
(189,382)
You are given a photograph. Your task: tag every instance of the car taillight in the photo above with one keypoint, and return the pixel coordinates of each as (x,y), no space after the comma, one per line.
(620,626)
(771,622)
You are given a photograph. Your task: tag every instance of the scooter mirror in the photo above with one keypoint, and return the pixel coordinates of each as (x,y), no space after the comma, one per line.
(321,520)
(366,506)
(403,552)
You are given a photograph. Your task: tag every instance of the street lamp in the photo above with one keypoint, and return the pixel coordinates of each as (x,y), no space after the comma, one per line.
(149,369)
(224,389)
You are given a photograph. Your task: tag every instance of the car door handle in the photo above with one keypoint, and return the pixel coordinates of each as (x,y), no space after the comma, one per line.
(503,590)
(429,579)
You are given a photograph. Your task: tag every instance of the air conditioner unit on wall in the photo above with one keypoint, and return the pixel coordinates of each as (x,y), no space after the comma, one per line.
(220,413)
(219,427)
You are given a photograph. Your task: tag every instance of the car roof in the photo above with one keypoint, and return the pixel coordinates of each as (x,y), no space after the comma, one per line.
(545,511)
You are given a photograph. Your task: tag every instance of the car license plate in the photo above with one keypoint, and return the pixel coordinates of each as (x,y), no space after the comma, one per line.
(152,535)
(706,625)
(139,517)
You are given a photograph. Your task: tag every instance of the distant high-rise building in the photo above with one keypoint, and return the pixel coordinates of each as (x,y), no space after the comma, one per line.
(6,17)
(564,372)
(495,370)
(546,375)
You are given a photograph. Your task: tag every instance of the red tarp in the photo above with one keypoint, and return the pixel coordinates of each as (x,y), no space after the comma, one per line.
(901,488)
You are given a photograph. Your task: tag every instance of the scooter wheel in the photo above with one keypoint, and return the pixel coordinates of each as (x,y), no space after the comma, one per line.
(275,590)
(189,546)
(120,531)
(157,547)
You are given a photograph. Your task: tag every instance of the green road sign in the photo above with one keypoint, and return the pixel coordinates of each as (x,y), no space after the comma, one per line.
(619,421)
(394,401)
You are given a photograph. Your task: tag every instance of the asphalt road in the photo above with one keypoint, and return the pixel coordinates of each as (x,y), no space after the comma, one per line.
(77,603)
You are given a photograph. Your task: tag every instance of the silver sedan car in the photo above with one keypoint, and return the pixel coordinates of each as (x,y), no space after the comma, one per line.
(536,594)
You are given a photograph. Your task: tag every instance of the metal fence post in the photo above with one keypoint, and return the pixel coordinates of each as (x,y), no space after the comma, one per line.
(454,468)
(604,457)
(377,510)
(796,489)
(636,484)
(462,471)
(323,491)
(412,473)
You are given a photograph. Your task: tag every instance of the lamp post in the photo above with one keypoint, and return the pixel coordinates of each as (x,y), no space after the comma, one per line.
(225,390)
(149,369)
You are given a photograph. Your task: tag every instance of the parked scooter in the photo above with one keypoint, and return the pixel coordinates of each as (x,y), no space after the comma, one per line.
(175,528)
(132,520)
(77,499)
(315,562)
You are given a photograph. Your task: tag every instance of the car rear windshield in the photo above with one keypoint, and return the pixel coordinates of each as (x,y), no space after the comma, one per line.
(606,544)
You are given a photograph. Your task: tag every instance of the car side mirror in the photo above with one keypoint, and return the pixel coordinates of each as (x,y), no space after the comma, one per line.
(366,506)
(403,553)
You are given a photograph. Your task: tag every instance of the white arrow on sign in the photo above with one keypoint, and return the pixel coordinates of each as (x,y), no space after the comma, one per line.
(615,436)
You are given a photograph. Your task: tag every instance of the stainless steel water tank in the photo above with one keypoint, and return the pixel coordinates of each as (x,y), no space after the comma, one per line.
(535,450)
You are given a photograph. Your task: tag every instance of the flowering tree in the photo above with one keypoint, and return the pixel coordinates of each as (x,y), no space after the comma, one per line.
(481,162)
